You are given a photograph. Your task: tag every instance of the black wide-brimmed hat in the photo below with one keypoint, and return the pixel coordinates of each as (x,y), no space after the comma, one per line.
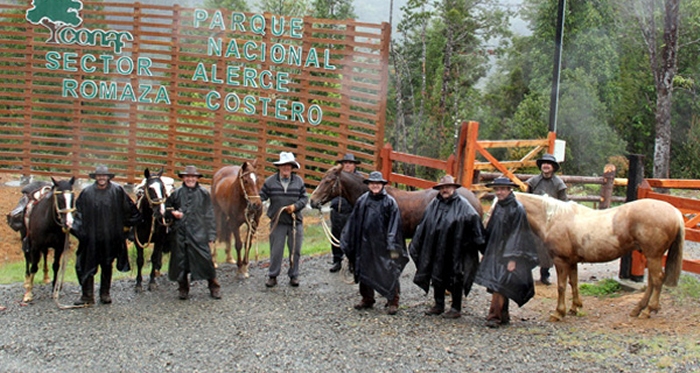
(447,180)
(287,158)
(348,158)
(375,177)
(101,170)
(548,158)
(501,182)
(189,171)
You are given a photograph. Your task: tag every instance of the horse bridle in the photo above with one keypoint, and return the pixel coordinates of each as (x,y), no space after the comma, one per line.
(152,202)
(65,211)
(252,229)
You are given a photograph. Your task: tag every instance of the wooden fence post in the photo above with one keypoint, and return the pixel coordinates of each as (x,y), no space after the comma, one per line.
(607,188)
(385,156)
(635,177)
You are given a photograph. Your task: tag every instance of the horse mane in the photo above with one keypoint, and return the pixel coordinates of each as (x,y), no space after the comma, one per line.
(553,208)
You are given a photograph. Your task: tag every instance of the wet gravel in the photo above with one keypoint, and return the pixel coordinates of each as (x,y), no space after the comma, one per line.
(312,328)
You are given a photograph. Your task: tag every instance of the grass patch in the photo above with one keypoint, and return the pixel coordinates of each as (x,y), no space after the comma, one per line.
(604,288)
(688,289)
(315,243)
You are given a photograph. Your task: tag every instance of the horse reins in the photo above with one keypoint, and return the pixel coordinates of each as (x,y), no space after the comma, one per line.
(152,203)
(64,254)
(252,229)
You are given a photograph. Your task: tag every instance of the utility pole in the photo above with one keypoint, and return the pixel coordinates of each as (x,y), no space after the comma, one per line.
(554,98)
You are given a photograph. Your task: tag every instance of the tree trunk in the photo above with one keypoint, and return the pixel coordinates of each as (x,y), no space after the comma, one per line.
(663,77)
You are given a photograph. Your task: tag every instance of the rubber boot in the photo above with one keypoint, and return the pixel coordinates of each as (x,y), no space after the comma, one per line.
(105,284)
(88,297)
(214,288)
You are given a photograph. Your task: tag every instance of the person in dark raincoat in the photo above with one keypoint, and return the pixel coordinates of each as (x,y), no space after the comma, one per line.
(373,237)
(510,255)
(194,229)
(104,211)
(340,211)
(445,247)
(546,183)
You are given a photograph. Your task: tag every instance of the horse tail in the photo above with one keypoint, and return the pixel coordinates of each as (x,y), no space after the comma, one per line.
(674,259)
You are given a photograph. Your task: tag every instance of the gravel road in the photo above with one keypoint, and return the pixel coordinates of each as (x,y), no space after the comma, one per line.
(312,328)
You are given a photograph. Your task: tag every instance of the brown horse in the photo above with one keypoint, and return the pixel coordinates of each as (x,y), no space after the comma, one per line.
(153,229)
(574,233)
(47,227)
(412,204)
(235,194)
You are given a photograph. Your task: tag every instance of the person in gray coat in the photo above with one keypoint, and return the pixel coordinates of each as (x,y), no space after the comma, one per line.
(546,183)
(287,194)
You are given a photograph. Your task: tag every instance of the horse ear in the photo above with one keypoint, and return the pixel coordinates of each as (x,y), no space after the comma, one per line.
(55,183)
(146,173)
(160,173)
(72,180)
(254,163)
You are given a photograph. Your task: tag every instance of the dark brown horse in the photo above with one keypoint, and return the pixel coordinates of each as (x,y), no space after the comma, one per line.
(47,227)
(152,229)
(574,233)
(412,204)
(235,194)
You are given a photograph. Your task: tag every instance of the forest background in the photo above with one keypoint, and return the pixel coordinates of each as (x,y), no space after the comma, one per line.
(628,75)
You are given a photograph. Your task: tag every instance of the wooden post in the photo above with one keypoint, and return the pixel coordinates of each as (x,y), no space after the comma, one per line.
(607,188)
(635,177)
(470,154)
(385,156)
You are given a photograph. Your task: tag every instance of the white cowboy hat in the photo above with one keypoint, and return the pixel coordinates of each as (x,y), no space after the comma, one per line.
(287,158)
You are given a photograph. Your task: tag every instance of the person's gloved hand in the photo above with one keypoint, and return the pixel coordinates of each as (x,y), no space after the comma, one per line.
(394,254)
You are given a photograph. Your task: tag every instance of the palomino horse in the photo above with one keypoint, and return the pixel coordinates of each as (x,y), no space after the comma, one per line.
(235,194)
(412,204)
(574,233)
(153,229)
(47,227)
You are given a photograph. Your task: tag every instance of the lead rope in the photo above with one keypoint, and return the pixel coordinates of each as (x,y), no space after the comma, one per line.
(294,234)
(61,273)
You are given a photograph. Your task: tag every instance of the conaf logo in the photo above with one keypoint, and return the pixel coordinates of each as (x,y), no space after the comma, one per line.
(54,15)
(62,17)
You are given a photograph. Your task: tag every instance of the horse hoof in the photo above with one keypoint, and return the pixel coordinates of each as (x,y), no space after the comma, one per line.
(152,286)
(230,260)
(635,312)
(216,265)
(28,297)
(554,318)
(138,288)
(573,312)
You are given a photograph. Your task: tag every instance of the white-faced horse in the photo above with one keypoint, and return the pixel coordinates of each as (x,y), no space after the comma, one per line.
(574,233)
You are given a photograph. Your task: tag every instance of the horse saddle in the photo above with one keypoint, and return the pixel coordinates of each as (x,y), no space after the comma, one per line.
(31,194)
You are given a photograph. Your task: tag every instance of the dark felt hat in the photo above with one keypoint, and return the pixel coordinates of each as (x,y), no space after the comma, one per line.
(101,170)
(375,177)
(348,158)
(502,182)
(189,171)
(446,180)
(548,158)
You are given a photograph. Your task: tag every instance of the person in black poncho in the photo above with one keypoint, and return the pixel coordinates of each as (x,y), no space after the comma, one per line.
(510,255)
(445,247)
(194,229)
(103,214)
(374,239)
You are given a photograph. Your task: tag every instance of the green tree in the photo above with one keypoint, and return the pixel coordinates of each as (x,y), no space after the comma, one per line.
(236,5)
(294,8)
(334,9)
